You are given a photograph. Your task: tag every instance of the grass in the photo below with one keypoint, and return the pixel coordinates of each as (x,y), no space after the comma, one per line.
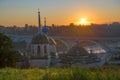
(104,73)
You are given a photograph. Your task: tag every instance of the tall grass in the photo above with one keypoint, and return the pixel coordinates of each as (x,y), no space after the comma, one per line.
(105,73)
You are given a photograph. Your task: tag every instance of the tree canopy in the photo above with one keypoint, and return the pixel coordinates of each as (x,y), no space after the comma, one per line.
(7,55)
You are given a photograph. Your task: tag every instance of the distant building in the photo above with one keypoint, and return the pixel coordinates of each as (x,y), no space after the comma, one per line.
(26,25)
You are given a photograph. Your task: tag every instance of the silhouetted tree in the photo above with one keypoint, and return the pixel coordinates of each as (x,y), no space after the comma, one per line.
(7,55)
(72,24)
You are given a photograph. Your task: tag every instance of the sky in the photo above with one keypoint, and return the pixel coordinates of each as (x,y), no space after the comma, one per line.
(58,12)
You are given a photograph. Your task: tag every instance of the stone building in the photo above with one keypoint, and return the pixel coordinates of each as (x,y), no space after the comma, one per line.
(43,48)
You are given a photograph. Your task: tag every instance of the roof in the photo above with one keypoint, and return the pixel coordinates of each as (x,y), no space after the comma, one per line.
(52,41)
(40,39)
(78,50)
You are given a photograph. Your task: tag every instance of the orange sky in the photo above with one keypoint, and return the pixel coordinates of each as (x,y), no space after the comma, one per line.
(58,12)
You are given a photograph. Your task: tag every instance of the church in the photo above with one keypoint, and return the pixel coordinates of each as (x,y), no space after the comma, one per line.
(43,48)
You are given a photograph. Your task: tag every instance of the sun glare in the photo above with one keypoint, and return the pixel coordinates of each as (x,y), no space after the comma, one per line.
(83,21)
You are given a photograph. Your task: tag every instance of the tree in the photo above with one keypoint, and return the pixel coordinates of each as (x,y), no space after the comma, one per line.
(72,24)
(7,55)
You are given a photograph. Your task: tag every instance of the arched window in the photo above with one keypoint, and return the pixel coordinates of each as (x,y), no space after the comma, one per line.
(38,50)
(45,49)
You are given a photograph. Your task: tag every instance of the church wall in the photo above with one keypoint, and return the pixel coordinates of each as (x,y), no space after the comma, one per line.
(34,49)
(53,48)
(40,63)
(48,50)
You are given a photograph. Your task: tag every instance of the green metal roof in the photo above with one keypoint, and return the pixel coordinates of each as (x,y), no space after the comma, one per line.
(40,39)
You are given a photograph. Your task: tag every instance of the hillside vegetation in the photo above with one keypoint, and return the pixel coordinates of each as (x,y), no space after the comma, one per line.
(105,73)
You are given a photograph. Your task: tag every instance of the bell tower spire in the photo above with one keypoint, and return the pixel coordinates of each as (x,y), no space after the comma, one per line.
(44,21)
(39,22)
(45,28)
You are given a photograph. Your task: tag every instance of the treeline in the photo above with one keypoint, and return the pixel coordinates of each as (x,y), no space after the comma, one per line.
(93,30)
(88,31)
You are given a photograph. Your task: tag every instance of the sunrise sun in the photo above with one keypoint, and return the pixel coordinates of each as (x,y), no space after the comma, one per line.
(83,21)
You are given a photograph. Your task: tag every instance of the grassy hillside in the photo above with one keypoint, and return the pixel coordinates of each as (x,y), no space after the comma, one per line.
(105,73)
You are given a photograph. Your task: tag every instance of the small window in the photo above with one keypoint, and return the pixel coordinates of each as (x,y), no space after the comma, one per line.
(32,50)
(38,50)
(45,49)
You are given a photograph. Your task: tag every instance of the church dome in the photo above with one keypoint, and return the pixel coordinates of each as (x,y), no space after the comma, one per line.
(45,29)
(40,39)
(79,50)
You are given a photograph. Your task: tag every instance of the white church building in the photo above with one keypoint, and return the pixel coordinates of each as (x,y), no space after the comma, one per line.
(43,48)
